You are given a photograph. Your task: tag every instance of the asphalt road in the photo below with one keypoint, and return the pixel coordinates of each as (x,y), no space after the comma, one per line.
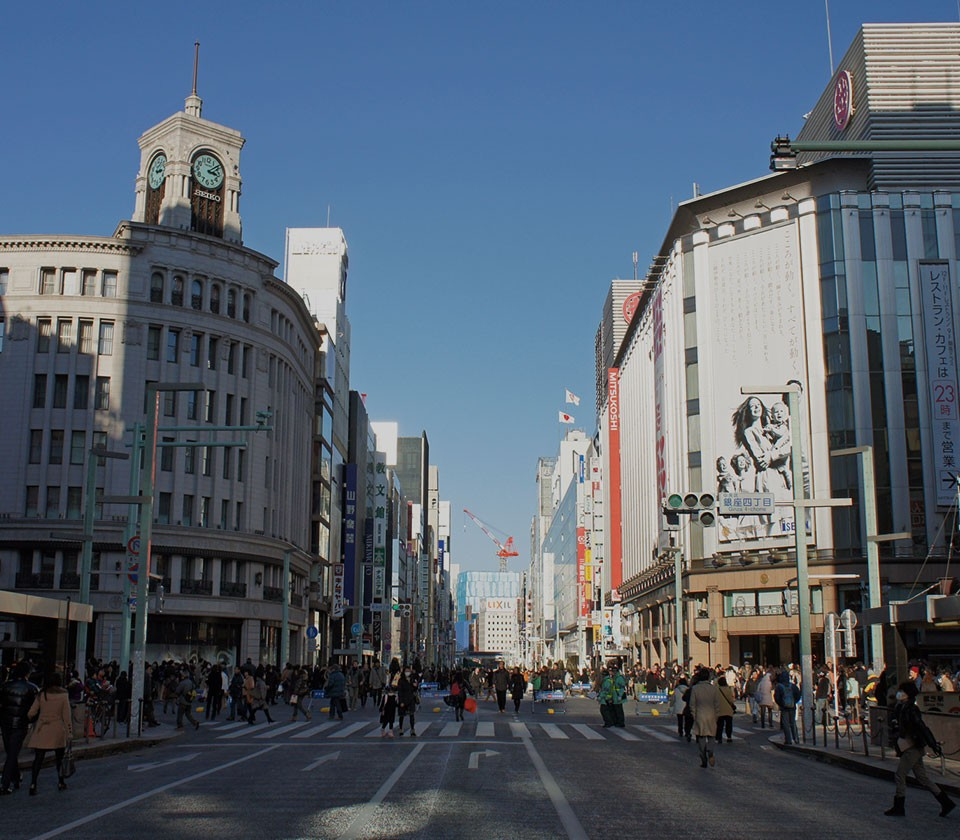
(496,776)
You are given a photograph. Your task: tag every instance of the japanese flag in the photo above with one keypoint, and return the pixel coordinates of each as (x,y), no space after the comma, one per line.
(565,418)
(572,398)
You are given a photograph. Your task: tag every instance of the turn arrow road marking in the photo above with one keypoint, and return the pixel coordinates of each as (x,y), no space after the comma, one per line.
(474,763)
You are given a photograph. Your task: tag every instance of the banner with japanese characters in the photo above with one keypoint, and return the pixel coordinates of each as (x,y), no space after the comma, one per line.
(941,375)
(756,323)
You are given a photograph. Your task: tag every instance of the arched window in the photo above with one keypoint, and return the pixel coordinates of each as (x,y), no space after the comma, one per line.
(246,308)
(232,303)
(196,294)
(176,293)
(215,298)
(156,288)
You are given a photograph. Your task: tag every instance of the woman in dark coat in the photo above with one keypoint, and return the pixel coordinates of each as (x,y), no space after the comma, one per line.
(518,687)
(53,730)
(407,700)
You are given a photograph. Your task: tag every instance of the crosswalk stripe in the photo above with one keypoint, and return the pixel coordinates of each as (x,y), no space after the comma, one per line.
(349,730)
(257,727)
(376,732)
(227,726)
(314,730)
(737,730)
(622,733)
(451,729)
(485,729)
(554,731)
(283,730)
(659,734)
(519,730)
(422,727)
(587,732)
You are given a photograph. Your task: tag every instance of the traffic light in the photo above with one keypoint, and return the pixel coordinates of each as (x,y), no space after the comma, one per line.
(782,155)
(700,505)
(402,610)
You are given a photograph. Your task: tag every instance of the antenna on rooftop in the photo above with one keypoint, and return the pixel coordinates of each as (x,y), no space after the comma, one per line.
(196,64)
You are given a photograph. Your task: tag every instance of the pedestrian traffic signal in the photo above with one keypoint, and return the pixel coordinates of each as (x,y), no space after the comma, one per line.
(700,505)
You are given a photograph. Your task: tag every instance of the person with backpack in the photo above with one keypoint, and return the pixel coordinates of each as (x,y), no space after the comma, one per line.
(912,737)
(613,691)
(186,693)
(786,695)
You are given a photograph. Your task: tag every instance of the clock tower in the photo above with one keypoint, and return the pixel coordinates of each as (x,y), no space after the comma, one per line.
(190,174)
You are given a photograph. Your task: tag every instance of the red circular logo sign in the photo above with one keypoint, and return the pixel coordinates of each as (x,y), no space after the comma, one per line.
(630,306)
(843,100)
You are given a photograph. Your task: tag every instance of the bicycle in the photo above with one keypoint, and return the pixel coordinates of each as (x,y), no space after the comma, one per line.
(101,714)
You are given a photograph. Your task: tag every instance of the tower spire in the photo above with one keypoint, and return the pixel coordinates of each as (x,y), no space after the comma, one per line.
(194,103)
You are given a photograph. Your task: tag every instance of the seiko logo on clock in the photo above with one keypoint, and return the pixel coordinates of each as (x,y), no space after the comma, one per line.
(205,194)
(843,100)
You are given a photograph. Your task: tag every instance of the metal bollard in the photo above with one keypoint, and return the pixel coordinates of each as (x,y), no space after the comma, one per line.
(140,717)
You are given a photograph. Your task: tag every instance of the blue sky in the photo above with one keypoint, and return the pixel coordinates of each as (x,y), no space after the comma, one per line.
(492,165)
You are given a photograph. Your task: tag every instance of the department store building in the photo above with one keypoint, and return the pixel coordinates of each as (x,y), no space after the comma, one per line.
(839,275)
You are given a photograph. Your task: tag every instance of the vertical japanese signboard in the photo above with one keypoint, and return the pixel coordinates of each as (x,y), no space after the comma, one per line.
(349,534)
(941,375)
(583,604)
(379,540)
(338,603)
(615,548)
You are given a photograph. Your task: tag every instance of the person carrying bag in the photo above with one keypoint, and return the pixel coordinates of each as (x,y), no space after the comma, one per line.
(53,729)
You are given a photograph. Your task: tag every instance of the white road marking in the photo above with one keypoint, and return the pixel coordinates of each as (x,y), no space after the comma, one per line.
(474,762)
(142,796)
(655,732)
(140,768)
(569,819)
(519,730)
(228,726)
(451,729)
(314,730)
(587,732)
(622,733)
(322,760)
(485,730)
(257,727)
(554,731)
(290,727)
(359,827)
(349,730)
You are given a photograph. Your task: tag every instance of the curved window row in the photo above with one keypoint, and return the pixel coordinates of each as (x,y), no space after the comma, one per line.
(201,295)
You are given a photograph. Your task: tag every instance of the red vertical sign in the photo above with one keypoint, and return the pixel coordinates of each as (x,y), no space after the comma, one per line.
(615,552)
(584,602)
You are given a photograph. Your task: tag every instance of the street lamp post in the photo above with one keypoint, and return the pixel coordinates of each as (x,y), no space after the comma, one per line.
(792,391)
(873,550)
(147,477)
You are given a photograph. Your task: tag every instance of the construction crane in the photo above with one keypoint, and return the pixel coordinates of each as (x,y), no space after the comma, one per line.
(504,550)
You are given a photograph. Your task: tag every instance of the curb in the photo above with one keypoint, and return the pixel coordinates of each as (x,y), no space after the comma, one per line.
(861,767)
(102,750)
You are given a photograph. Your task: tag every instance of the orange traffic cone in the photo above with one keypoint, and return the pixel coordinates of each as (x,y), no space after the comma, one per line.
(88,729)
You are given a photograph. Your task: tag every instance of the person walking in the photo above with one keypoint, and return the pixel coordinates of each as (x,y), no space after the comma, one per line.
(257,692)
(336,689)
(407,700)
(458,691)
(501,682)
(613,691)
(912,737)
(765,702)
(518,687)
(704,703)
(16,697)
(236,694)
(728,706)
(300,692)
(186,694)
(352,677)
(786,696)
(388,707)
(679,706)
(53,729)
(378,678)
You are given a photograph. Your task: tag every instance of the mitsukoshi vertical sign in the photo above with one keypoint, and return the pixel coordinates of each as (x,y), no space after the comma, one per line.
(940,344)
(615,549)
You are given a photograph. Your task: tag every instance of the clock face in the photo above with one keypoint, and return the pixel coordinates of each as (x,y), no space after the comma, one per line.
(843,100)
(157,169)
(630,306)
(208,171)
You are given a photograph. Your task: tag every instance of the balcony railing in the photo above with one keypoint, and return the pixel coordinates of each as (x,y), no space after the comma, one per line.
(196,587)
(233,590)
(34,580)
(69,580)
(273,593)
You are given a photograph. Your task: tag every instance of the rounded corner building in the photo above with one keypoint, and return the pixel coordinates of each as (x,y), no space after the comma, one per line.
(86,323)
